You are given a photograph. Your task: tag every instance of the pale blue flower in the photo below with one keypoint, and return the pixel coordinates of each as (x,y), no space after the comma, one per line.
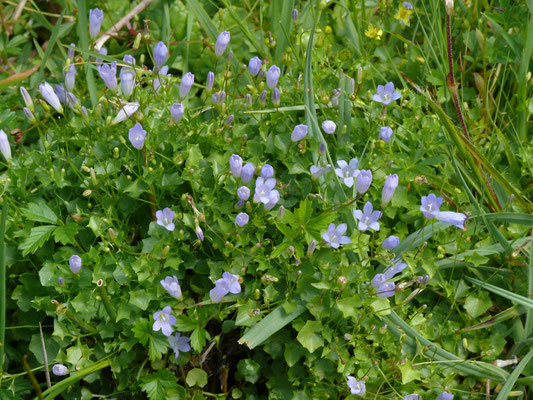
(445,396)
(26,97)
(126,111)
(29,114)
(186,84)
(109,74)
(385,133)
(59,370)
(229,283)
(347,172)
(241,219)
(5,148)
(70,76)
(199,233)
(254,65)
(218,97)
(179,343)
(318,172)
(172,286)
(160,54)
(364,180)
(408,6)
(165,218)
(367,218)
(96,17)
(164,321)
(396,267)
(157,80)
(263,188)
(391,183)
(453,218)
(386,94)
(263,97)
(74,263)
(431,205)
(378,280)
(70,52)
(272,76)
(412,396)
(276,97)
(210,81)
(273,199)
(267,171)
(247,172)
(386,290)
(221,43)
(102,52)
(391,242)
(334,236)
(235,164)
(176,111)
(127,81)
(50,96)
(136,136)
(356,387)
(243,193)
(299,132)
(329,127)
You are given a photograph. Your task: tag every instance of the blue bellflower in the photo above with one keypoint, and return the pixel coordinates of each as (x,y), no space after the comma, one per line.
(186,84)
(391,183)
(367,218)
(136,136)
(247,172)
(126,111)
(172,286)
(243,193)
(364,180)
(272,76)
(176,111)
(299,132)
(431,205)
(96,17)
(254,65)
(165,218)
(50,96)
(391,242)
(164,321)
(396,267)
(59,370)
(209,82)
(386,94)
(74,263)
(334,236)
(160,54)
(347,172)
(385,133)
(241,219)
(229,283)
(235,164)
(263,189)
(452,218)
(267,171)
(356,387)
(221,43)
(109,74)
(329,127)
(179,343)
(445,396)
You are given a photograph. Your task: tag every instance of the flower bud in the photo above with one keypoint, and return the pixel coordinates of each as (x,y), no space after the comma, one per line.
(199,233)
(186,84)
(27,98)
(311,248)
(210,82)
(364,180)
(61,281)
(385,133)
(276,97)
(391,183)
(219,97)
(267,171)
(70,76)
(176,111)
(322,148)
(70,52)
(391,242)
(160,54)
(263,98)
(299,132)
(247,172)
(243,193)
(449,6)
(50,96)
(109,74)
(248,100)
(5,148)
(112,234)
(294,15)
(96,17)
(230,120)
(241,219)
(59,370)
(329,127)
(29,114)
(74,263)
(93,177)
(272,76)
(254,66)
(235,163)
(137,41)
(221,43)
(335,97)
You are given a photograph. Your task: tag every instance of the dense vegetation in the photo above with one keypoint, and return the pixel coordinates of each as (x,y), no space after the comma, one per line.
(283,200)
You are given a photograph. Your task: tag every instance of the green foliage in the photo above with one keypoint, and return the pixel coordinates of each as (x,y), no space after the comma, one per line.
(307,315)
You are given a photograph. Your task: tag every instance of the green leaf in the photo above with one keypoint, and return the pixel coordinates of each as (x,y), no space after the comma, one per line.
(502,292)
(140,299)
(308,338)
(158,345)
(477,304)
(409,374)
(249,369)
(156,385)
(65,234)
(269,325)
(40,212)
(196,377)
(185,324)
(198,338)
(348,306)
(38,236)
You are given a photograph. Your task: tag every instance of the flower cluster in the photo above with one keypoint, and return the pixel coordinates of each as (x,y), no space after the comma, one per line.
(380,281)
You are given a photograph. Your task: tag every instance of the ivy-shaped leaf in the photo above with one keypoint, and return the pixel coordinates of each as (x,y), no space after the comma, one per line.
(156,385)
(38,236)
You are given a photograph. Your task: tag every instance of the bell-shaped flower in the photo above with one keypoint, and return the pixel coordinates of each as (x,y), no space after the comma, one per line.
(299,132)
(210,81)
(241,219)
(126,111)
(160,54)
(262,189)
(243,193)
(386,94)
(74,263)
(5,148)
(391,183)
(396,267)
(391,242)
(367,218)
(247,172)
(272,76)
(334,236)
(50,96)
(431,205)
(221,43)
(267,171)
(179,343)
(347,172)
(59,370)
(445,396)
(386,290)
(176,111)
(109,74)
(136,136)
(164,321)
(165,218)
(96,17)
(385,133)
(70,77)
(186,84)
(254,65)
(364,180)
(235,164)
(172,286)
(329,127)
(453,218)
(356,387)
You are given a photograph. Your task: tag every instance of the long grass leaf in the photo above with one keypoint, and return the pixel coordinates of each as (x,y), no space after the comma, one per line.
(529,316)
(268,326)
(282,21)
(84,39)
(205,22)
(526,302)
(258,45)
(3,294)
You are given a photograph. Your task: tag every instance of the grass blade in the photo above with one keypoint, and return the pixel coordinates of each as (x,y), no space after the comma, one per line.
(272,323)
(282,24)
(509,383)
(529,316)
(259,46)
(205,22)
(481,370)
(502,292)
(84,39)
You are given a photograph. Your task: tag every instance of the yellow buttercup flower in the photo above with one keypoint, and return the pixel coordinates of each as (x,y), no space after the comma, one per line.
(374,32)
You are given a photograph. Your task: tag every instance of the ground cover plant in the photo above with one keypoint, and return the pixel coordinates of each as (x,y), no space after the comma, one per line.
(285,200)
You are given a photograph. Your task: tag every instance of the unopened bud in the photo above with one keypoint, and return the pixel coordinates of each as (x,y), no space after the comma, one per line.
(263,98)
(199,233)
(137,42)
(112,234)
(276,97)
(281,212)
(322,148)
(359,75)
(87,193)
(342,280)
(248,100)
(93,177)
(311,248)
(229,120)
(165,251)
(294,15)
(449,6)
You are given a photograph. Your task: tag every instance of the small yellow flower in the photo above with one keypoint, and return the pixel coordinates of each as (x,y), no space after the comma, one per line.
(404,15)
(374,32)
